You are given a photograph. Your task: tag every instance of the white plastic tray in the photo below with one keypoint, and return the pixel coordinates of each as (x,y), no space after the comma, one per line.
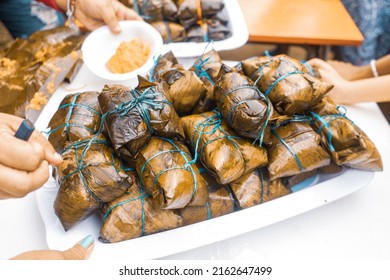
(236,24)
(325,190)
(203,233)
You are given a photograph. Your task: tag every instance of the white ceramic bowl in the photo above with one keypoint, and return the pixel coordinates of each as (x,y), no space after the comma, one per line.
(101,44)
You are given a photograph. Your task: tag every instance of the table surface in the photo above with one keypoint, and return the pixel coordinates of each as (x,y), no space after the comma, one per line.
(317,22)
(354,227)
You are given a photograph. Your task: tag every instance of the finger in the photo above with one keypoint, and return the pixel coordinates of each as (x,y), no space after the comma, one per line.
(81,251)
(20,154)
(13,123)
(319,63)
(109,17)
(16,183)
(50,154)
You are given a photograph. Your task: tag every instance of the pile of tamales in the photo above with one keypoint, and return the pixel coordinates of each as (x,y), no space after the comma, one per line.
(188,145)
(185,20)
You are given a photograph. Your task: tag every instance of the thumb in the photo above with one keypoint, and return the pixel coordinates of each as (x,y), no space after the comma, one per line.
(81,251)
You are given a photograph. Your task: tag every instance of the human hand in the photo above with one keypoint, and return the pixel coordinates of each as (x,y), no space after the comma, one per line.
(340,93)
(81,251)
(23,164)
(95,13)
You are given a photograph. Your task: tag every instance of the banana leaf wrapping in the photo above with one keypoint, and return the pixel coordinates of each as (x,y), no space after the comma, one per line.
(133,116)
(169,10)
(295,148)
(224,154)
(210,30)
(166,171)
(164,63)
(188,10)
(286,83)
(208,68)
(27,65)
(220,202)
(89,175)
(183,88)
(255,188)
(77,117)
(291,181)
(243,106)
(149,10)
(345,141)
(170,31)
(133,215)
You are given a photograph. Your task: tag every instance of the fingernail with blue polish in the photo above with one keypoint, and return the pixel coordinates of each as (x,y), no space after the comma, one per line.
(87,241)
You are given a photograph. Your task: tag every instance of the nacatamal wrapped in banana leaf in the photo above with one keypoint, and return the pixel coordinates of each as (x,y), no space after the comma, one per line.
(133,215)
(344,140)
(224,154)
(189,11)
(255,188)
(286,83)
(89,175)
(210,30)
(183,88)
(167,171)
(243,106)
(170,31)
(77,117)
(132,116)
(295,148)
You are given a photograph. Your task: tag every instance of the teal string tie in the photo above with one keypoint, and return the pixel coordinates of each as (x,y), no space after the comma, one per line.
(187,166)
(208,211)
(292,152)
(308,67)
(267,92)
(168,31)
(262,186)
(156,61)
(142,102)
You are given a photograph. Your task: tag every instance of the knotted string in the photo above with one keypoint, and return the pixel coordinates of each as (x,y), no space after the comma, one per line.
(142,102)
(151,71)
(213,121)
(325,122)
(67,123)
(168,31)
(295,118)
(199,70)
(141,11)
(85,144)
(187,166)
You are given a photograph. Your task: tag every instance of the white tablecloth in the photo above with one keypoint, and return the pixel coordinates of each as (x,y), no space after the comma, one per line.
(354,227)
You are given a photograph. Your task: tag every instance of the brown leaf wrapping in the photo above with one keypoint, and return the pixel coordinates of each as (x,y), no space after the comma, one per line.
(300,177)
(165,171)
(285,82)
(215,30)
(130,131)
(348,144)
(225,155)
(243,106)
(89,175)
(133,215)
(220,203)
(183,89)
(295,148)
(170,31)
(77,117)
(23,69)
(150,10)
(188,14)
(255,188)
(207,67)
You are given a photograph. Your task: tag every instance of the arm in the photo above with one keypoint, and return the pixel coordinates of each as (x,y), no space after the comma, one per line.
(349,92)
(95,13)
